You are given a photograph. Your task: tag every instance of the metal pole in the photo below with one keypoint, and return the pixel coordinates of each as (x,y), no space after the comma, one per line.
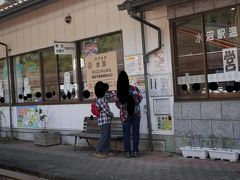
(145,60)
(9,90)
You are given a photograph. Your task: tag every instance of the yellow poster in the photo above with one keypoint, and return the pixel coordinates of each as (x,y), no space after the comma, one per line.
(102,67)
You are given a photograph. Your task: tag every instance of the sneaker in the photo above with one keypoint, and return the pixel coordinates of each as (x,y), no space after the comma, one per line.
(127,155)
(111,154)
(135,154)
(99,155)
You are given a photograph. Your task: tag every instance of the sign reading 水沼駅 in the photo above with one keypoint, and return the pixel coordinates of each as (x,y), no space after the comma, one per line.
(64,48)
(101,67)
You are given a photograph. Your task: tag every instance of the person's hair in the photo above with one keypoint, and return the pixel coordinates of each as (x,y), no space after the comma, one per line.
(122,87)
(99,89)
(106,87)
(130,104)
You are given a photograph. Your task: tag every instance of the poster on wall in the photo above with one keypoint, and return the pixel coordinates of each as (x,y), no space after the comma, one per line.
(230,60)
(27,117)
(159,65)
(161,106)
(102,67)
(134,65)
(160,85)
(164,122)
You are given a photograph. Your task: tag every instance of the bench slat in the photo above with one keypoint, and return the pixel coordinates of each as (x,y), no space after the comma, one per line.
(91,130)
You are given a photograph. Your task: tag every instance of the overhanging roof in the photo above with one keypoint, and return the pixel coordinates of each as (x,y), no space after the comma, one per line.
(135,6)
(19,6)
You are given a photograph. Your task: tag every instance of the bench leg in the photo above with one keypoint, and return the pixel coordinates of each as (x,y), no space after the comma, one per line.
(75,143)
(88,143)
(115,147)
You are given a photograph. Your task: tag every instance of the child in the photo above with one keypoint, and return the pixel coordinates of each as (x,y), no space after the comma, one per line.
(104,121)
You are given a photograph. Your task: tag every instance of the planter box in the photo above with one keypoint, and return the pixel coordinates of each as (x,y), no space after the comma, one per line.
(46,138)
(232,156)
(194,152)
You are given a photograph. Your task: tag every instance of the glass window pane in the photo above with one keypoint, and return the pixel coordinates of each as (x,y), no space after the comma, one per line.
(50,75)
(68,77)
(222,46)
(4,98)
(189,60)
(27,78)
(107,48)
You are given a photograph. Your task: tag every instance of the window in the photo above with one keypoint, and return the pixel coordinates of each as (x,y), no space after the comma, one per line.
(101,60)
(4,98)
(68,77)
(206,63)
(42,76)
(50,75)
(27,78)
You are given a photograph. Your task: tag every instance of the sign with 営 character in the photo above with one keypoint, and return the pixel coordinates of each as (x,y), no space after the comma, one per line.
(230,60)
(101,67)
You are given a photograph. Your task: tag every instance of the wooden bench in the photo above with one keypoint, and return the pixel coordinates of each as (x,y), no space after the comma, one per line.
(91,130)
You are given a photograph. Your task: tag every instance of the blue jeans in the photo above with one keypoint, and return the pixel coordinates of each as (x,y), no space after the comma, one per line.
(103,145)
(134,123)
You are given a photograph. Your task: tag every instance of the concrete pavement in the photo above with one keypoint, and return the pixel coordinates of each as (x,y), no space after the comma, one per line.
(61,162)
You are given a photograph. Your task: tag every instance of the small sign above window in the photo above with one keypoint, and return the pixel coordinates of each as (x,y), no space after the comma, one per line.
(65,48)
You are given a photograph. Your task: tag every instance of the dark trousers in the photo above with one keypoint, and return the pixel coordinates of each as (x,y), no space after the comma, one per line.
(103,145)
(134,124)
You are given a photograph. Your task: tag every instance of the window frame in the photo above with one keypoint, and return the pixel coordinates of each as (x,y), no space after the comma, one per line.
(174,54)
(80,85)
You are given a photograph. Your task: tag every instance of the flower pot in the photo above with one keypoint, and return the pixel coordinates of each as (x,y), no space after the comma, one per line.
(46,138)
(230,155)
(201,153)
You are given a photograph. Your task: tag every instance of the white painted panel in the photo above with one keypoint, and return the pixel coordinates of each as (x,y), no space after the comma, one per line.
(129,41)
(69,32)
(113,15)
(47,12)
(13,42)
(159,12)
(34,36)
(42,33)
(90,21)
(88,3)
(27,46)
(77,5)
(77,114)
(22,21)
(125,20)
(138,37)
(59,24)
(58,9)
(20,40)
(101,16)
(51,36)
(79,24)
(33,18)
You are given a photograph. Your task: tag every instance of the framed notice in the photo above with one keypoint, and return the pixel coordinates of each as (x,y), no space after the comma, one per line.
(161,106)
(160,85)
(101,67)
(134,65)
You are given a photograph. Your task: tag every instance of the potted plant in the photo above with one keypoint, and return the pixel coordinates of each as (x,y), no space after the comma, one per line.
(191,150)
(224,150)
(45,137)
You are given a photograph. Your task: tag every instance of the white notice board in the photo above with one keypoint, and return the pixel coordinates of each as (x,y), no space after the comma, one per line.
(161,106)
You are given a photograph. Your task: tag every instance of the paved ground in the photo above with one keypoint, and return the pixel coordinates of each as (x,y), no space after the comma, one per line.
(61,162)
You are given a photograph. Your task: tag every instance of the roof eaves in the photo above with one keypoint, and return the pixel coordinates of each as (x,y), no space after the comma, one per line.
(16,8)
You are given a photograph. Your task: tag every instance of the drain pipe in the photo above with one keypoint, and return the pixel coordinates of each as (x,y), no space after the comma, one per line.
(146,60)
(9,91)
